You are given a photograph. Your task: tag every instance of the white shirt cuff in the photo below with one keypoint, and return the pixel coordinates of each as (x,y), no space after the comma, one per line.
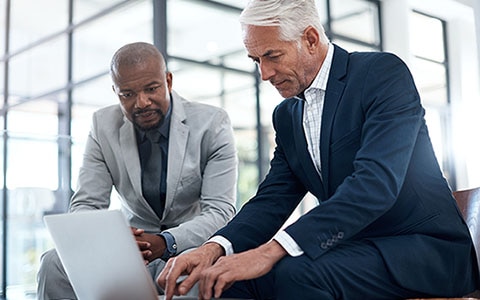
(227,246)
(287,242)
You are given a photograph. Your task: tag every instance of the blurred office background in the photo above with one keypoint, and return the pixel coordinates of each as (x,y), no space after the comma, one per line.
(54,57)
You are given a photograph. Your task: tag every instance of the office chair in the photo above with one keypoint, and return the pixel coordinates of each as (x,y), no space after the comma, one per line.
(468,202)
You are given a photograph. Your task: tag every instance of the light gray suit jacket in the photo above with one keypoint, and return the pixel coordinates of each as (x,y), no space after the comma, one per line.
(201,174)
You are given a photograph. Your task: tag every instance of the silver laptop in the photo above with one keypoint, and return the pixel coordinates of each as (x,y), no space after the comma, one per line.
(100,256)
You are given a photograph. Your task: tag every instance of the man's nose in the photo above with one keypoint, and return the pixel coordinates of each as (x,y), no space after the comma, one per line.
(142,100)
(266,71)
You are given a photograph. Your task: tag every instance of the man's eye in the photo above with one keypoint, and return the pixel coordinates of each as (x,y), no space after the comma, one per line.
(151,89)
(126,95)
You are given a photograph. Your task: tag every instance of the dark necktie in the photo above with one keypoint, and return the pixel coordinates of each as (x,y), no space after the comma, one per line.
(301,95)
(152,185)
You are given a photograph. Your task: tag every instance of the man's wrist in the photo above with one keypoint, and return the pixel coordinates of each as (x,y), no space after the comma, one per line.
(170,245)
(216,250)
(223,242)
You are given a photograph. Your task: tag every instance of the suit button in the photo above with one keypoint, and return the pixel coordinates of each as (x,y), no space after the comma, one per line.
(329,242)
(323,246)
(340,235)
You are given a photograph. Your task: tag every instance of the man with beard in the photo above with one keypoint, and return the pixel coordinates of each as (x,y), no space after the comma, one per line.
(172,162)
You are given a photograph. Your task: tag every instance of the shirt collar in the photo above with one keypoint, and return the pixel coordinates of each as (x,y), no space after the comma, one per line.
(163,127)
(321,79)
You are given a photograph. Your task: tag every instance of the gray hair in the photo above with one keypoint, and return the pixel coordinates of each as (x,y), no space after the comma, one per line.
(292,16)
(135,54)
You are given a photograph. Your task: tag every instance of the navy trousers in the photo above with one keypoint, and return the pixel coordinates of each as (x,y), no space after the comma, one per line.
(351,271)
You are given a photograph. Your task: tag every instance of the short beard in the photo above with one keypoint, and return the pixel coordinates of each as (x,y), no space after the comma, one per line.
(140,111)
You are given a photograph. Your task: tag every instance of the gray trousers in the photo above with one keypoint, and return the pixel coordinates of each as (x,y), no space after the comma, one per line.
(53,282)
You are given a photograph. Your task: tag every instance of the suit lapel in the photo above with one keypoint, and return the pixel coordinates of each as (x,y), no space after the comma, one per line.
(132,164)
(334,91)
(177,144)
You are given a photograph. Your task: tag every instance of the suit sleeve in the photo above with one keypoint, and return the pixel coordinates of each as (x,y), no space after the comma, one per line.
(263,215)
(94,181)
(218,190)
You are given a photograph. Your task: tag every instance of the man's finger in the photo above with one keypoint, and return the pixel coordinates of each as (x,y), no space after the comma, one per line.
(161,279)
(205,284)
(137,231)
(221,284)
(186,282)
(146,254)
(143,245)
(172,272)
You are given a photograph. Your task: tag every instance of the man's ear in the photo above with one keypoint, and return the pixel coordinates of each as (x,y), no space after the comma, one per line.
(169,78)
(312,38)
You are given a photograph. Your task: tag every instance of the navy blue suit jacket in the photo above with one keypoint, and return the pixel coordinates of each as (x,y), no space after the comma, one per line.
(380,179)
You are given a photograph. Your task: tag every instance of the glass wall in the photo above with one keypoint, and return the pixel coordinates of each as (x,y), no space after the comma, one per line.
(430,70)
(214,69)
(54,58)
(56,70)
(355,24)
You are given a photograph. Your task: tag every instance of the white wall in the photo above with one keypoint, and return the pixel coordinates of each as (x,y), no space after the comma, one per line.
(463,34)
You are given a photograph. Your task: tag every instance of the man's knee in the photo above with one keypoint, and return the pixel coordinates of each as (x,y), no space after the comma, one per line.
(291,270)
(53,282)
(50,264)
(298,274)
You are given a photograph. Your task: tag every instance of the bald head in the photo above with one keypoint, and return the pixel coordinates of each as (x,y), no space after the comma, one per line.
(135,55)
(142,84)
